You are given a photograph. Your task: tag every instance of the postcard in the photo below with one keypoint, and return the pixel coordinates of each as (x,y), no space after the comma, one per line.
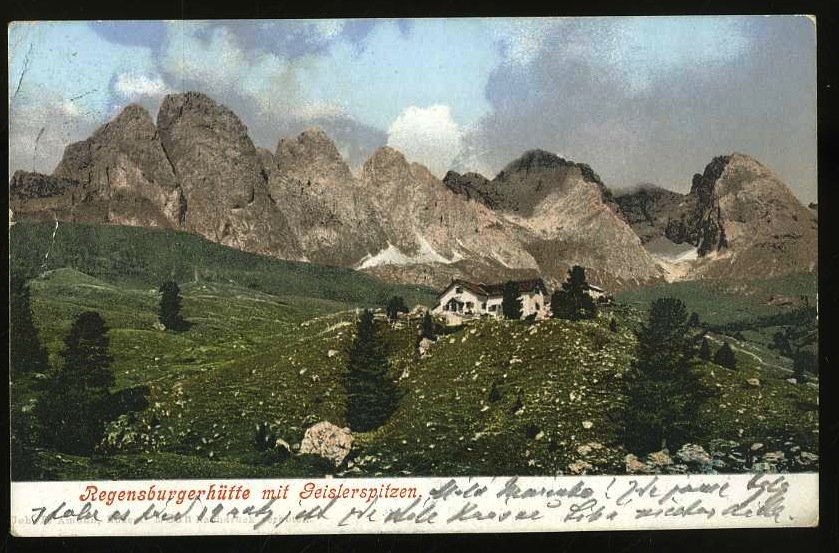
(413,275)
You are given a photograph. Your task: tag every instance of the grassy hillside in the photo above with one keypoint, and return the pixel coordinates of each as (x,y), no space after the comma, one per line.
(747,314)
(719,302)
(251,357)
(140,257)
(268,342)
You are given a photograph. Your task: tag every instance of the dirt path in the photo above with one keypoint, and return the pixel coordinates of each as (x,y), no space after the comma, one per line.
(736,344)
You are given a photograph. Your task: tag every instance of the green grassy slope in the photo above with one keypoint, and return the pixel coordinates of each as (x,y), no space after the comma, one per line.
(139,257)
(743,312)
(275,352)
(211,385)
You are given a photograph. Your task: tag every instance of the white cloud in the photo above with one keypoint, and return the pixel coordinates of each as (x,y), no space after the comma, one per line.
(129,85)
(39,132)
(427,135)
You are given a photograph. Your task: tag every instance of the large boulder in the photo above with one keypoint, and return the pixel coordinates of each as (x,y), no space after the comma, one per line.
(328,441)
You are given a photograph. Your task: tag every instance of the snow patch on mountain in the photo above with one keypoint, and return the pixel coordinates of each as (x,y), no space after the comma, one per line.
(392,255)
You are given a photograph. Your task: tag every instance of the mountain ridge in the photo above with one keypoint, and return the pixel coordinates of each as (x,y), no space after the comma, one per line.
(196,169)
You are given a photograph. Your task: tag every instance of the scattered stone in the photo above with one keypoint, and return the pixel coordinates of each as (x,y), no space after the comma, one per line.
(659,459)
(634,465)
(587,424)
(159,326)
(756,446)
(774,457)
(424,345)
(693,454)
(584,449)
(328,441)
(332,353)
(579,467)
(792,380)
(807,458)
(753,382)
(762,467)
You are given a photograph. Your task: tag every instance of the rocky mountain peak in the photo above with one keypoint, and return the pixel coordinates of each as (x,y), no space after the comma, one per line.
(541,160)
(385,165)
(197,106)
(385,155)
(649,209)
(124,172)
(473,186)
(311,155)
(133,122)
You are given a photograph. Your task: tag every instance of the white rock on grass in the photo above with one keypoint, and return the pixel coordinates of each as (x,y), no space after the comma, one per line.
(328,441)
(693,454)
(579,467)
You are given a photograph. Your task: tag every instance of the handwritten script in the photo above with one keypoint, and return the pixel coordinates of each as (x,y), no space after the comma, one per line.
(499,504)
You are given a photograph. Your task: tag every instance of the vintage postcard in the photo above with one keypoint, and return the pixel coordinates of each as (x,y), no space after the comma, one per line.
(402,276)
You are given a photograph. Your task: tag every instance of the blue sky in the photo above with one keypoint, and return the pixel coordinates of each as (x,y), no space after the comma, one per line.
(639,99)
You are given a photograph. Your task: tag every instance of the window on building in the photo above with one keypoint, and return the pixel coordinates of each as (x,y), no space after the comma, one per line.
(493,308)
(458,290)
(484,306)
(537,306)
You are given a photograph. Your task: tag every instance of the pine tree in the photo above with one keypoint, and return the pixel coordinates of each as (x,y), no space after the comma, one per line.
(511,304)
(76,405)
(573,302)
(705,350)
(395,306)
(169,312)
(663,392)
(693,321)
(26,353)
(371,395)
(725,357)
(427,330)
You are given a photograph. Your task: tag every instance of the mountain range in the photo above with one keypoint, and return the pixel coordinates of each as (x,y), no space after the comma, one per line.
(196,169)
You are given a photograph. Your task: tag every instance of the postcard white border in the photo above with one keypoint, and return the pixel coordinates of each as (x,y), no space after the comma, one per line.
(531,504)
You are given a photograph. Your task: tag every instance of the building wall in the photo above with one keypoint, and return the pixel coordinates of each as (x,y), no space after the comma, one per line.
(531,303)
(465,296)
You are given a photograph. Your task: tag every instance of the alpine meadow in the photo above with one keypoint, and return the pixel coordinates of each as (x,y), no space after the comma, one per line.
(348,251)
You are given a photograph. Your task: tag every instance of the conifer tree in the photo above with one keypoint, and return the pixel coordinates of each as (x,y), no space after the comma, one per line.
(26,353)
(169,312)
(511,304)
(573,302)
(663,392)
(395,306)
(725,357)
(705,350)
(427,330)
(77,404)
(371,395)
